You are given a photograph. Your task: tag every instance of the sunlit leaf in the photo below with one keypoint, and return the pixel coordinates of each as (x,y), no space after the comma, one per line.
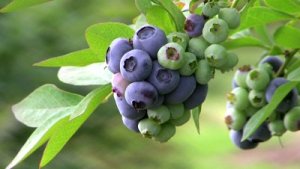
(21,4)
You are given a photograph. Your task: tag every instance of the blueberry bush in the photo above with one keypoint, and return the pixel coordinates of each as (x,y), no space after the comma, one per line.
(158,71)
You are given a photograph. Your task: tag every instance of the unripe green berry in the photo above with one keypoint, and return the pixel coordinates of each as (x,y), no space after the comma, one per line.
(241,75)
(239,98)
(235,119)
(292,119)
(160,114)
(257,98)
(176,110)
(210,9)
(277,128)
(268,68)
(216,55)
(167,131)
(258,79)
(215,30)
(250,111)
(190,65)
(197,46)
(182,120)
(231,16)
(204,72)
(171,56)
(180,38)
(149,128)
(231,62)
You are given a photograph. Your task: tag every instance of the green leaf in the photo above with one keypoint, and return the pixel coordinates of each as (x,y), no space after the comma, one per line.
(139,21)
(293,65)
(294,75)
(174,12)
(80,115)
(143,5)
(257,16)
(246,41)
(100,36)
(259,117)
(196,116)
(159,17)
(20,4)
(263,34)
(39,137)
(78,58)
(287,6)
(94,74)
(43,103)
(288,36)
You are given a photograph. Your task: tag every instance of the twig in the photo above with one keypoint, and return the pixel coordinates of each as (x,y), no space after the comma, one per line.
(288,57)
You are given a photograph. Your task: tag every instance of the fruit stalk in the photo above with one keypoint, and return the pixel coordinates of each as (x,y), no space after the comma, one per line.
(288,57)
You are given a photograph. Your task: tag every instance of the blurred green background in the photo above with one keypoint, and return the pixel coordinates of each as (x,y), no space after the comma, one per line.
(56,28)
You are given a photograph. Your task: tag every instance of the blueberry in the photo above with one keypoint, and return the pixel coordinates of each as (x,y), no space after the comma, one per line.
(235,119)
(215,30)
(204,72)
(149,128)
(176,110)
(180,38)
(292,119)
(167,131)
(231,16)
(241,75)
(236,138)
(239,98)
(119,84)
(149,39)
(116,50)
(197,46)
(250,111)
(190,64)
(126,110)
(277,128)
(160,100)
(164,80)
(216,55)
(194,25)
(136,65)
(141,95)
(131,124)
(288,102)
(171,56)
(268,68)
(258,79)
(257,98)
(231,62)
(274,61)
(262,134)
(183,91)
(183,119)
(210,9)
(160,114)
(197,98)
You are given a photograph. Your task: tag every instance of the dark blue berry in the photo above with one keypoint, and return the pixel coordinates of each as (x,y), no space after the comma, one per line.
(194,25)
(261,134)
(141,95)
(197,98)
(183,91)
(136,65)
(119,84)
(131,124)
(275,62)
(116,50)
(164,80)
(236,138)
(149,39)
(288,102)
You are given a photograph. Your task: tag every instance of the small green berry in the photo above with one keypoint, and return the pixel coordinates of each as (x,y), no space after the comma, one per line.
(160,114)
(241,75)
(190,65)
(277,128)
(204,72)
(176,110)
(182,120)
(210,9)
(257,98)
(216,55)
(258,79)
(239,98)
(197,46)
(292,119)
(180,38)
(171,56)
(167,131)
(231,16)
(215,30)
(149,128)
(235,119)
(231,62)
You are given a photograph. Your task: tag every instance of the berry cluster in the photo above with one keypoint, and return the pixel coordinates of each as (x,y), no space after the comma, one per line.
(253,88)
(159,78)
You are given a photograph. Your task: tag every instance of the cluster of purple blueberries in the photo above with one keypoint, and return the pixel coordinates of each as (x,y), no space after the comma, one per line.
(253,88)
(159,78)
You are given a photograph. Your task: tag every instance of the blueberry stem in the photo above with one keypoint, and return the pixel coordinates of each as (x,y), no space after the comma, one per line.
(234,3)
(288,57)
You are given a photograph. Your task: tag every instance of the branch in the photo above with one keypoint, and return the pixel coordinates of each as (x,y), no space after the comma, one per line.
(288,58)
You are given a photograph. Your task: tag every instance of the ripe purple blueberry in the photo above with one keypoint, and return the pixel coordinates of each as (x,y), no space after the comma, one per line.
(131,124)
(116,50)
(262,134)
(194,25)
(236,138)
(149,39)
(141,95)
(197,98)
(119,84)
(164,80)
(274,61)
